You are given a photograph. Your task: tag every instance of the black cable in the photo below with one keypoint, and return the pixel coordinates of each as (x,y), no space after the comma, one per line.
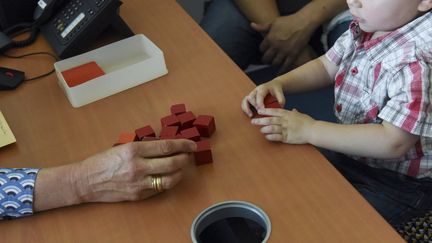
(33,54)
(17,27)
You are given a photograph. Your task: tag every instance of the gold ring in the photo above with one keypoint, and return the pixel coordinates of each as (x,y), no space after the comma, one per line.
(156,183)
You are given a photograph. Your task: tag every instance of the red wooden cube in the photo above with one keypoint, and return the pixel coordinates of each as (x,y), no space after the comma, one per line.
(205,124)
(203,154)
(146,131)
(169,132)
(170,120)
(271,102)
(178,109)
(179,136)
(126,138)
(81,74)
(186,119)
(191,133)
(274,105)
(269,99)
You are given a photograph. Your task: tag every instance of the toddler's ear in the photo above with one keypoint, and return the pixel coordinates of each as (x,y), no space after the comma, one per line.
(425,5)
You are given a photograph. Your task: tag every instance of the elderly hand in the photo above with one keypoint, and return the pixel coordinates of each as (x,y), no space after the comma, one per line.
(124,172)
(120,173)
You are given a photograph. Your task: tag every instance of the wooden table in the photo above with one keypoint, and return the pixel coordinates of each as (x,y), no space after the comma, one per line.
(306,199)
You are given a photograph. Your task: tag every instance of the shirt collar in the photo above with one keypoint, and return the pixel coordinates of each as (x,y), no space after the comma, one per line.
(385,44)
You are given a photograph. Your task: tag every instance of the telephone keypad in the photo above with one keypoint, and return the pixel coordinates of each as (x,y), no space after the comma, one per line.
(75,14)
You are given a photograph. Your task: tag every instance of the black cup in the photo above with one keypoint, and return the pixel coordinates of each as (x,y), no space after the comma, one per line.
(231,221)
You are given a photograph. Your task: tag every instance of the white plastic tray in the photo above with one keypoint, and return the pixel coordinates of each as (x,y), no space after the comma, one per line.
(126,63)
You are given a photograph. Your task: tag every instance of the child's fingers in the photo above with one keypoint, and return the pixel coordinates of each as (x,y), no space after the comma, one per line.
(261,93)
(265,121)
(271,129)
(274,137)
(272,112)
(246,107)
(252,98)
(280,97)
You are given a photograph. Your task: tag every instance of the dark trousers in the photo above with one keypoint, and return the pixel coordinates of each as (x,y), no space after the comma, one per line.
(396,197)
(231,30)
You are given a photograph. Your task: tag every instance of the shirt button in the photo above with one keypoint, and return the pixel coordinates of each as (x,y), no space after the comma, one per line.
(339,108)
(354,71)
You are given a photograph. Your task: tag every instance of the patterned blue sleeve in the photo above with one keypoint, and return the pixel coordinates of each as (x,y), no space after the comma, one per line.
(16,192)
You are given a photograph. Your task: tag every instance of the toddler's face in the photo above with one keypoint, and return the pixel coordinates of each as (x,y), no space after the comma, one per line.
(383,15)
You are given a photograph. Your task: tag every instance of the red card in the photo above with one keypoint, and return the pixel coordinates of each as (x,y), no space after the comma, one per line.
(81,74)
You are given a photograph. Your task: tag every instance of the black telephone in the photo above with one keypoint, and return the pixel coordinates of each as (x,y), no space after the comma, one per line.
(70,25)
(77,22)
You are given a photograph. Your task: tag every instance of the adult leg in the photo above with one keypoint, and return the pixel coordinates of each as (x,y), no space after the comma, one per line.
(231,30)
(289,7)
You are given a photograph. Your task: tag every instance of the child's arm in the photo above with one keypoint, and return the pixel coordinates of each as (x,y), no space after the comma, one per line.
(315,74)
(383,141)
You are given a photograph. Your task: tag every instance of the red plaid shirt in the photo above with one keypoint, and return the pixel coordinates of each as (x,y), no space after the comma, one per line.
(388,78)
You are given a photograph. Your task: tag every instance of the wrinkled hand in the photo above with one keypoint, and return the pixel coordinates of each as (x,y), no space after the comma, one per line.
(284,39)
(256,97)
(124,172)
(285,126)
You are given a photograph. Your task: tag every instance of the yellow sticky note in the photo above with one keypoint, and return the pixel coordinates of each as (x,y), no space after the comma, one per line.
(6,135)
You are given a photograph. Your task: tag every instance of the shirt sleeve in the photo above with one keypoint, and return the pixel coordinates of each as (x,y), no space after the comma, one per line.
(16,192)
(336,53)
(409,104)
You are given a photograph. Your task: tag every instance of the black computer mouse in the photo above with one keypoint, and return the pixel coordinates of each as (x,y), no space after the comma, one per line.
(10,78)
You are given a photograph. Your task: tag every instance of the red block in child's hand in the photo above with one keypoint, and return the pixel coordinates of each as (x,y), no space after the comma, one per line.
(203,154)
(146,131)
(274,105)
(170,120)
(205,125)
(126,138)
(81,74)
(178,109)
(269,102)
(269,99)
(191,133)
(169,132)
(186,119)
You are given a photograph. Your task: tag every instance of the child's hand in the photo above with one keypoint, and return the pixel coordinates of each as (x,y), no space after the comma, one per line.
(285,126)
(256,97)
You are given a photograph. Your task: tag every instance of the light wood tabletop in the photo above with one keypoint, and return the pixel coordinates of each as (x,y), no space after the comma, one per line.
(306,199)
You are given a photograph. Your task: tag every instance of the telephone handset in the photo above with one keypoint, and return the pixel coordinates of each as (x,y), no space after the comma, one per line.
(44,10)
(75,23)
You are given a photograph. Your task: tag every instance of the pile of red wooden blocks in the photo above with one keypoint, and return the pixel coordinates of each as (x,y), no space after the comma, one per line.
(179,124)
